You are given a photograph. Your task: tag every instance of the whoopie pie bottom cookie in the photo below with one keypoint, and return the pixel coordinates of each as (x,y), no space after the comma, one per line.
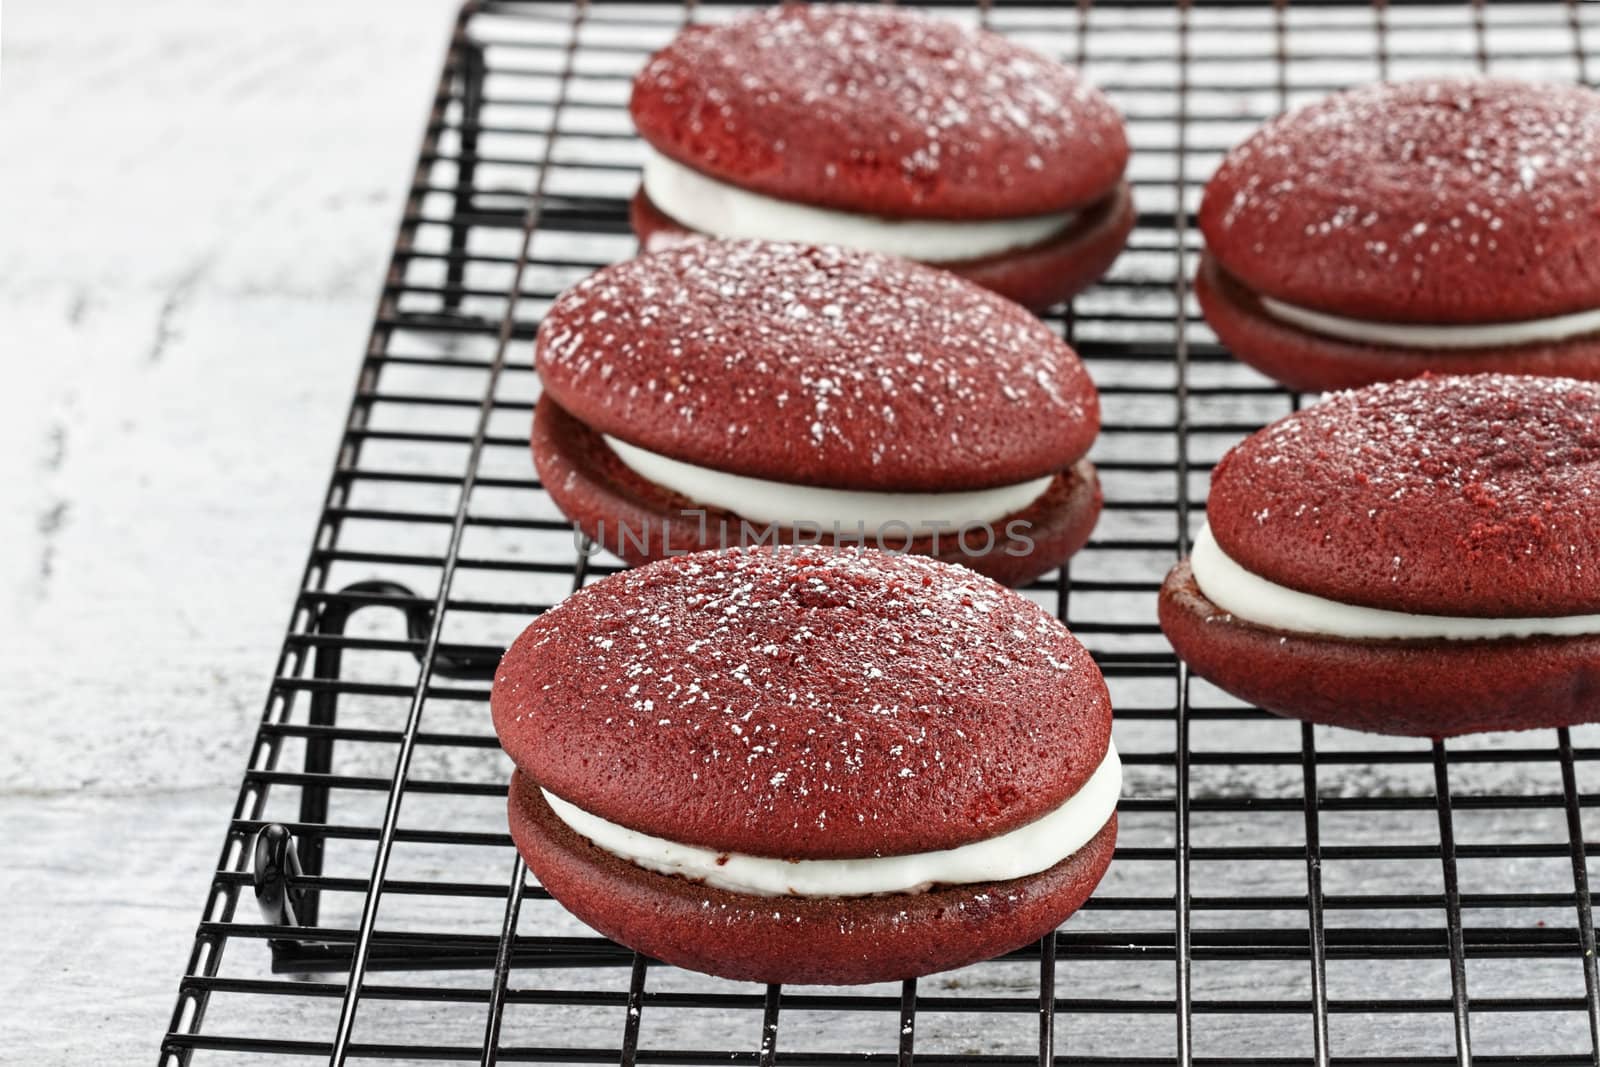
(1037,276)
(1415,687)
(1310,361)
(793,939)
(639,521)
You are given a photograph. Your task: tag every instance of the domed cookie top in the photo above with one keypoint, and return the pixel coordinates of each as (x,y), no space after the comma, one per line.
(879,110)
(1438,201)
(817,366)
(804,703)
(1461,496)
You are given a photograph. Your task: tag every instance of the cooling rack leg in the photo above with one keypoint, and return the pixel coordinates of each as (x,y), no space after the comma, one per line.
(473,70)
(319,755)
(275,866)
(332,621)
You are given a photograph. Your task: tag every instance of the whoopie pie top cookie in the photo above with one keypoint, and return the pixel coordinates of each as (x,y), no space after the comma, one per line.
(1474,496)
(881,128)
(1445,218)
(879,111)
(805,704)
(819,367)
(788,384)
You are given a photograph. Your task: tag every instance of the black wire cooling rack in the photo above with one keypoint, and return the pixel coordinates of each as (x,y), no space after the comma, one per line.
(1281,895)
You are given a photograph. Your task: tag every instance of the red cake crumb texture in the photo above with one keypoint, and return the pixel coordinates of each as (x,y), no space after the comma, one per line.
(881,111)
(817,366)
(804,703)
(1475,495)
(1438,201)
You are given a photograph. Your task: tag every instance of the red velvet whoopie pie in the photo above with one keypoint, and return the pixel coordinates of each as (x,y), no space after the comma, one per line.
(1416,557)
(876,127)
(812,765)
(1445,225)
(735,392)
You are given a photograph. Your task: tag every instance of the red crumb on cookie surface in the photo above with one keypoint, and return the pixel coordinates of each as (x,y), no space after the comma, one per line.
(817,366)
(1475,495)
(1436,201)
(804,703)
(879,110)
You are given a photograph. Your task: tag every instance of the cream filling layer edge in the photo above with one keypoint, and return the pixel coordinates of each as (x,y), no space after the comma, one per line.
(783,504)
(1028,849)
(1255,599)
(713,207)
(1419,335)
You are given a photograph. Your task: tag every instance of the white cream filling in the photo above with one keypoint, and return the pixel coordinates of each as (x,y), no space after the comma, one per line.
(1417,335)
(703,203)
(1029,849)
(870,513)
(1250,597)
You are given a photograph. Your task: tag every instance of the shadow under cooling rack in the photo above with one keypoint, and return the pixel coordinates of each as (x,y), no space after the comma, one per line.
(1281,895)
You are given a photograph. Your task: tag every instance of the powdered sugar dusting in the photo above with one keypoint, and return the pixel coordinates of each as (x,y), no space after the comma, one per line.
(1473,495)
(806,364)
(1419,201)
(873,108)
(808,700)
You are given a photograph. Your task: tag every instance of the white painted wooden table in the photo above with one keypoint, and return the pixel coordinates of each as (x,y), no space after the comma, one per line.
(196,204)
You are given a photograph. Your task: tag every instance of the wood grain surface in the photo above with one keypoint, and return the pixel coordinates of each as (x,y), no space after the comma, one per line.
(198,200)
